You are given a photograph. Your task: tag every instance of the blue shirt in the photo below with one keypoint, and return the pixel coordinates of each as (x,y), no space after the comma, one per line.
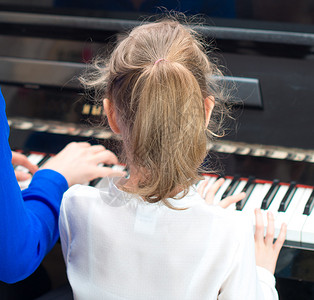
(28,219)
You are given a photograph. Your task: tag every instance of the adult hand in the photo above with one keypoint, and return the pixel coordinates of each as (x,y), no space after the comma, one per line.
(266,251)
(19,159)
(80,163)
(210,194)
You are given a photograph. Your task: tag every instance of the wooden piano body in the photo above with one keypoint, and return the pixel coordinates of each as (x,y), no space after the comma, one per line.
(273,138)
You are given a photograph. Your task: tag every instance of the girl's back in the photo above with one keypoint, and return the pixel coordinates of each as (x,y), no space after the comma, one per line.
(118,247)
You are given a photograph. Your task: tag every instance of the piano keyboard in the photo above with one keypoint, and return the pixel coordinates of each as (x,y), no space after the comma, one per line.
(35,158)
(39,159)
(290,203)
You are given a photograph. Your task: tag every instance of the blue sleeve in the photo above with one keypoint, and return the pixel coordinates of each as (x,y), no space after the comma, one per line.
(28,219)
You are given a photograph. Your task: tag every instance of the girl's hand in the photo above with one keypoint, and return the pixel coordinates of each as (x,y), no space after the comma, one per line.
(210,194)
(266,251)
(80,163)
(19,159)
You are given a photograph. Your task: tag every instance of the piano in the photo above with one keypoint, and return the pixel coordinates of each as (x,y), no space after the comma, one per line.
(268,151)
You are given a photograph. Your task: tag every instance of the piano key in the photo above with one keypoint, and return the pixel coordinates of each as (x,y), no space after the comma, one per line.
(19,167)
(258,152)
(222,189)
(278,154)
(239,187)
(99,182)
(44,160)
(285,216)
(299,157)
(232,186)
(36,158)
(118,167)
(309,205)
(274,206)
(309,158)
(297,220)
(226,148)
(248,188)
(307,234)
(256,197)
(243,150)
(210,181)
(288,196)
(95,181)
(270,195)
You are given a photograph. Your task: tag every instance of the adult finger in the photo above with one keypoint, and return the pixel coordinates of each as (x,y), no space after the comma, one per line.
(269,238)
(21,160)
(224,203)
(259,225)
(108,172)
(73,145)
(97,148)
(106,157)
(22,176)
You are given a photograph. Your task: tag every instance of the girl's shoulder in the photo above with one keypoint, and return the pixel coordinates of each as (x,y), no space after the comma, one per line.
(79,196)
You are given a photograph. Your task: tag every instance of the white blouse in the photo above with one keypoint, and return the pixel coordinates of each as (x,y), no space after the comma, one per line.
(116,246)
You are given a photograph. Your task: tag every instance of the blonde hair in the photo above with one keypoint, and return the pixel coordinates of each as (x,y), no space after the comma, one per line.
(157,78)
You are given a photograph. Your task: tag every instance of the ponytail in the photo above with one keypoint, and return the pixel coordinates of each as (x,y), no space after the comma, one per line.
(169,122)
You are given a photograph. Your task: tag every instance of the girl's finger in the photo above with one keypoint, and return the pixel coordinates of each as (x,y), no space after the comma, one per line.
(201,187)
(269,238)
(259,226)
(281,238)
(231,199)
(213,190)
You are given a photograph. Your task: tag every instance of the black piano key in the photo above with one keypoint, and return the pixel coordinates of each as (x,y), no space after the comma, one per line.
(270,195)
(248,190)
(309,205)
(232,186)
(288,196)
(95,181)
(45,158)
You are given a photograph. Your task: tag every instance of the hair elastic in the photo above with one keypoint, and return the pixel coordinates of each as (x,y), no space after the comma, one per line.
(158,60)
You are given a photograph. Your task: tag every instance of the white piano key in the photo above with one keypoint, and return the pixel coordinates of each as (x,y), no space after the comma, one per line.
(255,201)
(297,220)
(118,167)
(273,207)
(103,182)
(237,190)
(222,189)
(285,217)
(307,234)
(227,148)
(24,184)
(35,158)
(278,154)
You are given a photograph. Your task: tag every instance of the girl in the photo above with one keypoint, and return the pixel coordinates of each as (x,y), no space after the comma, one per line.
(152,236)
